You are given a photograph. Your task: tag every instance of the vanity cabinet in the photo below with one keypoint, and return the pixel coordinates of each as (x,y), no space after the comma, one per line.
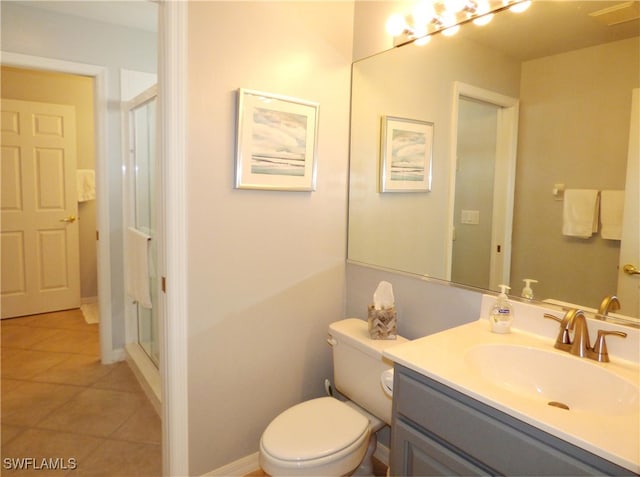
(437,430)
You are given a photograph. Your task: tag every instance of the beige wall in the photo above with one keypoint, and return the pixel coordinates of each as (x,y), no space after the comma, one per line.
(574,118)
(58,88)
(266,270)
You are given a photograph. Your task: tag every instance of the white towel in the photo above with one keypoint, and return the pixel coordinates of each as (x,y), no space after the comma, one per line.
(611,209)
(137,267)
(86,179)
(580,212)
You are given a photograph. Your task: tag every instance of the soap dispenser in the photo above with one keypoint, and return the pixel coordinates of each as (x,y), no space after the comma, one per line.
(527,292)
(502,312)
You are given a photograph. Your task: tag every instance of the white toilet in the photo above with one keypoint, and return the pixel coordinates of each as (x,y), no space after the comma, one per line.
(326,436)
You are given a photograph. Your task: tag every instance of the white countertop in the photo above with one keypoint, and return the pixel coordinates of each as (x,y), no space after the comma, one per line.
(612,435)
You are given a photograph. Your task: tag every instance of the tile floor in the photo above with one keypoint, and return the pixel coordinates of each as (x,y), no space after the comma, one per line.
(60,404)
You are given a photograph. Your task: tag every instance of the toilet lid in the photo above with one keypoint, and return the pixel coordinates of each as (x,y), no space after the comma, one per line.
(313,429)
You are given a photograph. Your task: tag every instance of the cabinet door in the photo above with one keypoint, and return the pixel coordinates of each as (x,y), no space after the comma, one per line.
(414,453)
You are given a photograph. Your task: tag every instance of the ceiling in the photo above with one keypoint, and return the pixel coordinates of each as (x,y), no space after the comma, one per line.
(138,14)
(548,27)
(551,27)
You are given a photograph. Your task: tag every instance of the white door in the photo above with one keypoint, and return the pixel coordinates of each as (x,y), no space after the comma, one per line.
(504,113)
(629,281)
(39,236)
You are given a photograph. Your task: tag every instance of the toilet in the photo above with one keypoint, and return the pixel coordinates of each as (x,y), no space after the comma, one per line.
(327,436)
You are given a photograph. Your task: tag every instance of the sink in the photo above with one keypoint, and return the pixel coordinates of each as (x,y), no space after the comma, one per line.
(553,378)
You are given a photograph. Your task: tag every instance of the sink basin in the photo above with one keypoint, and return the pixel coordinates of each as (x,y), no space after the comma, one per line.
(563,381)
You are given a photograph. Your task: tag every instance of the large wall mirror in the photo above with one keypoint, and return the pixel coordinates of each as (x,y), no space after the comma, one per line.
(525,110)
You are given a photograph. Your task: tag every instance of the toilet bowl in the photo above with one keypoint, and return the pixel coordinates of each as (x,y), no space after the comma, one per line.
(320,437)
(326,436)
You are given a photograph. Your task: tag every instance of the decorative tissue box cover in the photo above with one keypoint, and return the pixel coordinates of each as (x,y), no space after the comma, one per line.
(383,324)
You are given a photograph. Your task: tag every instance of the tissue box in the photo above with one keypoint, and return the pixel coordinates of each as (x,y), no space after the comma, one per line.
(383,324)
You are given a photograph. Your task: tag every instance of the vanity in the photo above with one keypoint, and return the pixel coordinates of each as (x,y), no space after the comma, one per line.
(470,402)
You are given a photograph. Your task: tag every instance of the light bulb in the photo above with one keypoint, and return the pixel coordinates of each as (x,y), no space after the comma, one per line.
(419,31)
(422,40)
(520,7)
(423,13)
(448,19)
(451,30)
(483,20)
(396,25)
(455,5)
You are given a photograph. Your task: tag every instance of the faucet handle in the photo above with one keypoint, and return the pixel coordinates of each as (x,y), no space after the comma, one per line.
(600,348)
(563,341)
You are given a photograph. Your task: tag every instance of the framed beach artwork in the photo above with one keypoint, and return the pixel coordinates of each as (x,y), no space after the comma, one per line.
(405,155)
(276,142)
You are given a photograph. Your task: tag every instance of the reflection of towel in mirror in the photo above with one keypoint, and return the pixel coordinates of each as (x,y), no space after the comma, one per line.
(580,212)
(86,180)
(137,267)
(611,209)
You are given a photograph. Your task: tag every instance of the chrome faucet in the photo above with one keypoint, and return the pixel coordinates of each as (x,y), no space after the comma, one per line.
(575,321)
(609,303)
(580,345)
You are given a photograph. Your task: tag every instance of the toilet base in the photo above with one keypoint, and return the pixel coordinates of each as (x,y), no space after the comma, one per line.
(365,469)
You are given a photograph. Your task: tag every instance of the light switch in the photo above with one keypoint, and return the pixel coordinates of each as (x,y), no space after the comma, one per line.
(471,217)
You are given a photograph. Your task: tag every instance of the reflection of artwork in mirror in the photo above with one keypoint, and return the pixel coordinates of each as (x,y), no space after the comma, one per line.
(564,135)
(405,155)
(276,142)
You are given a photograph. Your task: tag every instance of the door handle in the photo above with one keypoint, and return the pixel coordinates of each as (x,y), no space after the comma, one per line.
(630,269)
(69,220)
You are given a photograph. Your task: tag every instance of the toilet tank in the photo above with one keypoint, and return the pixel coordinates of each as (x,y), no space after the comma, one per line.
(358,364)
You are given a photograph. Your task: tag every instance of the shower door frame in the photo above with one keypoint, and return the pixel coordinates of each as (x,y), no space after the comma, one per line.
(148,371)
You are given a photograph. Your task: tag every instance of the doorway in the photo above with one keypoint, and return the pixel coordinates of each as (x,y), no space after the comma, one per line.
(473,207)
(48,146)
(98,76)
(485,127)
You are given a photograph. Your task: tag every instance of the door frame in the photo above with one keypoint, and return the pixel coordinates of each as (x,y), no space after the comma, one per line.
(99,74)
(172,94)
(505,175)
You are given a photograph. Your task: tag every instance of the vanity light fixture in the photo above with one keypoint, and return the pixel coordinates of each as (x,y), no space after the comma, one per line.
(520,7)
(446,16)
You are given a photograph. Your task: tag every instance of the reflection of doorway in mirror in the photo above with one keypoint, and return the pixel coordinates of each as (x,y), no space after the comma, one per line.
(481,205)
(473,207)
(629,284)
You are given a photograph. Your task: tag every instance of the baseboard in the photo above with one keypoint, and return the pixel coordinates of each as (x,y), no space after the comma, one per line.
(238,468)
(382,454)
(88,300)
(118,354)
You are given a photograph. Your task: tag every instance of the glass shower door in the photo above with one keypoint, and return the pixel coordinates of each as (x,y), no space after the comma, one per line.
(144,215)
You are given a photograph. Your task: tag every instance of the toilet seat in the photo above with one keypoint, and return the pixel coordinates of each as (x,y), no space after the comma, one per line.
(314,430)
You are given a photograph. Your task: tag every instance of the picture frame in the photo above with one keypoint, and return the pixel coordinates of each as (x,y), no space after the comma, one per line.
(406,147)
(276,142)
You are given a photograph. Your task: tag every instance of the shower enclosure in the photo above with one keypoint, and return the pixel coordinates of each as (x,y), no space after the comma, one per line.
(142,204)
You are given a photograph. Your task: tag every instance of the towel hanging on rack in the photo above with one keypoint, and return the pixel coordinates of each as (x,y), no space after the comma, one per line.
(137,264)
(86,184)
(611,212)
(580,212)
